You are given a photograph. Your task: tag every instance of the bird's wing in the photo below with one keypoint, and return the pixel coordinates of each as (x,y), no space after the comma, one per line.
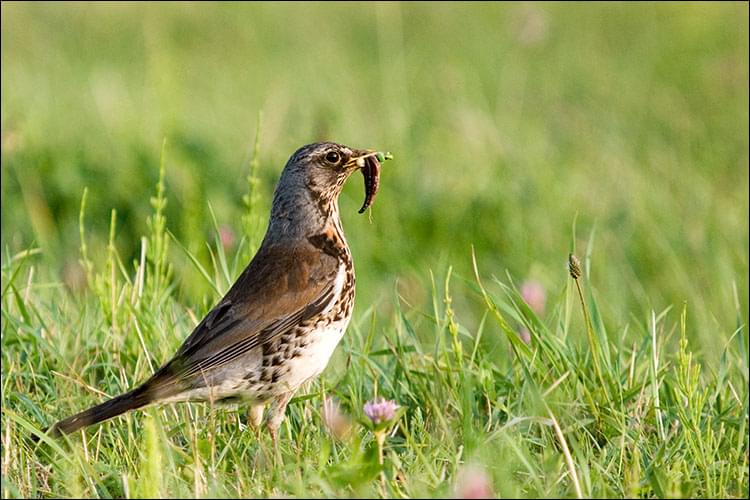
(280,288)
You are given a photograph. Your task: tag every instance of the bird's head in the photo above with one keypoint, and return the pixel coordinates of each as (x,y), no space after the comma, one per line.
(317,172)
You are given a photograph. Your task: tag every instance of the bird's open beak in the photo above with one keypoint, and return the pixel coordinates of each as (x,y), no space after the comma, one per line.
(358,157)
(368,161)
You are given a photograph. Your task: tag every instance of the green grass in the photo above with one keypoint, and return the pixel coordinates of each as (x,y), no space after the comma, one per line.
(131,141)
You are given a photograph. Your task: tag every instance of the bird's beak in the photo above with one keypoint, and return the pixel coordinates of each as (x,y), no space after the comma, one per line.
(359,156)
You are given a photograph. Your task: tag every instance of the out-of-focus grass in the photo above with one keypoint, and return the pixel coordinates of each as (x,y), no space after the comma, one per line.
(507,121)
(510,123)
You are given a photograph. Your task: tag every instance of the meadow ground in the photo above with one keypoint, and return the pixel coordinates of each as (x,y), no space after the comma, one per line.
(140,147)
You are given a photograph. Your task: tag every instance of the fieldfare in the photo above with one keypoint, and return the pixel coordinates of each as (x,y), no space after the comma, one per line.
(278,325)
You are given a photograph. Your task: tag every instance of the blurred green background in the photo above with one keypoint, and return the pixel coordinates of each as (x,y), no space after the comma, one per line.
(508,122)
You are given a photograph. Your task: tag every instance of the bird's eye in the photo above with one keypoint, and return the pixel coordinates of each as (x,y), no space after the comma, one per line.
(332,157)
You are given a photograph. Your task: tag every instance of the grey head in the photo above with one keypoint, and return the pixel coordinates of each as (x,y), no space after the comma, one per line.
(306,197)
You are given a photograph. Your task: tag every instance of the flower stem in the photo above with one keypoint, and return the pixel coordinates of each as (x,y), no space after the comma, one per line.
(380,439)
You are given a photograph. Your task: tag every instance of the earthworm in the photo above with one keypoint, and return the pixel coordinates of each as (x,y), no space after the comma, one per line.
(371,173)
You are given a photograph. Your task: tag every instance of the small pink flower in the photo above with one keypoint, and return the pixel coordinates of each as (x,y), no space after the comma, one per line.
(534,295)
(380,410)
(473,482)
(335,421)
(525,335)
(227,237)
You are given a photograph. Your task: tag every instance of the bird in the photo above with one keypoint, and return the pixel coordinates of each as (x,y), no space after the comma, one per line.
(279,323)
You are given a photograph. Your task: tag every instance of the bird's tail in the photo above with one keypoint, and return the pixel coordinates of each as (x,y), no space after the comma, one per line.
(137,398)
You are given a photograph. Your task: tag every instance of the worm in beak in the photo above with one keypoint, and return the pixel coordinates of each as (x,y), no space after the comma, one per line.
(370,166)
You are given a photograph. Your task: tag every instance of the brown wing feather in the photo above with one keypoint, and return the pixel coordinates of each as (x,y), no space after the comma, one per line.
(278,282)
(281,287)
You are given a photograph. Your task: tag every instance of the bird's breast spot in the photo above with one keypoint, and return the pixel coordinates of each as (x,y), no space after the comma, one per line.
(313,358)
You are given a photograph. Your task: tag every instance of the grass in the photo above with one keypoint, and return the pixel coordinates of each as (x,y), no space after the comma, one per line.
(137,169)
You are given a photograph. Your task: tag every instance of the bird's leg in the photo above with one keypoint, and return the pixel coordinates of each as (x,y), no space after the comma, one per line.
(275,416)
(255,417)
(273,431)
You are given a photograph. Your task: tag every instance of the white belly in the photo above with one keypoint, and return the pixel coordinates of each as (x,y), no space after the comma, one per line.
(322,343)
(316,355)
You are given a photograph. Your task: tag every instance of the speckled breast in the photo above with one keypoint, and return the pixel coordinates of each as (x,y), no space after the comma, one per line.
(304,351)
